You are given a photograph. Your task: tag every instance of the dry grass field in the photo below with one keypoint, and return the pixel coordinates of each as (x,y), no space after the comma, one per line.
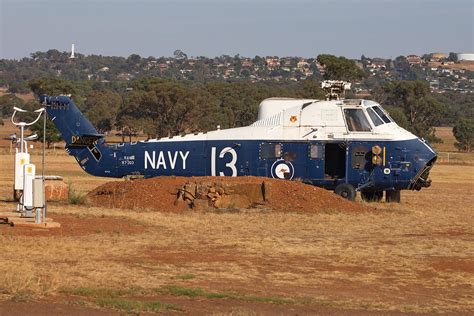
(416,257)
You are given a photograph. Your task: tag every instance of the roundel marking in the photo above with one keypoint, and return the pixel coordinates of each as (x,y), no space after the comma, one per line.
(282,169)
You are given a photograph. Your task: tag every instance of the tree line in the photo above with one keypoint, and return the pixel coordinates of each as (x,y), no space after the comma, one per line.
(159,107)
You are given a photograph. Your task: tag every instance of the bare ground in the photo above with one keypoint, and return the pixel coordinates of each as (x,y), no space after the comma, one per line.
(413,257)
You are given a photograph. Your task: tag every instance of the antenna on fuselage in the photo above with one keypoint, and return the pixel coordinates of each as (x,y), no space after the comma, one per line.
(335,89)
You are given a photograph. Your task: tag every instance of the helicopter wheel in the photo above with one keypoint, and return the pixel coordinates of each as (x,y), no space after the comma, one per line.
(392,196)
(346,190)
(372,196)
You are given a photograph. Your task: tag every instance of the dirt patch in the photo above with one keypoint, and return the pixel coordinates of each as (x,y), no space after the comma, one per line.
(78,226)
(453,264)
(166,194)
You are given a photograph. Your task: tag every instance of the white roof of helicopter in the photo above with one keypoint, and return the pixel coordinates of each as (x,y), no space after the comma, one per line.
(287,119)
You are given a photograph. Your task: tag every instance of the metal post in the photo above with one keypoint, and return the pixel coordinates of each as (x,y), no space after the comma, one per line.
(22,130)
(42,166)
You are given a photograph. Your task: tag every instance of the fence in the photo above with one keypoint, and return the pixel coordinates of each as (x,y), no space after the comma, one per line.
(455,158)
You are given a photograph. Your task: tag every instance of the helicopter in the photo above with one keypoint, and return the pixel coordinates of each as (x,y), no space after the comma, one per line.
(345,145)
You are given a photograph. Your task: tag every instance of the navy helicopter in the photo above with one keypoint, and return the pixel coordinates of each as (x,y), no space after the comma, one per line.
(345,145)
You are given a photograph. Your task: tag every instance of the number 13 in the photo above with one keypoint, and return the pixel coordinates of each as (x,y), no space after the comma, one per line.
(230,165)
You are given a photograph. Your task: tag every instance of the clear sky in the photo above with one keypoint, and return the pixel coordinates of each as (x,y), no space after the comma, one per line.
(383,28)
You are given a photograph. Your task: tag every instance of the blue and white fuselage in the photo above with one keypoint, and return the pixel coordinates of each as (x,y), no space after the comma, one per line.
(324,143)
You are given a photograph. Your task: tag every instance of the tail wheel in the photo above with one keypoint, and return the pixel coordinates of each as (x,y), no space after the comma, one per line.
(392,196)
(346,190)
(372,196)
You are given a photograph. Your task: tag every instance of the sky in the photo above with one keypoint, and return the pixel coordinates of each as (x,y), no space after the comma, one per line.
(375,28)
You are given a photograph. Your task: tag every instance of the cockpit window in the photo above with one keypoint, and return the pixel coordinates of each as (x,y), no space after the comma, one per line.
(356,120)
(374,117)
(382,114)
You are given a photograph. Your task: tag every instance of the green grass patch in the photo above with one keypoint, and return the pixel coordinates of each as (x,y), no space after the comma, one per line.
(125,299)
(118,300)
(22,297)
(271,299)
(178,290)
(185,276)
(74,197)
(129,305)
(102,292)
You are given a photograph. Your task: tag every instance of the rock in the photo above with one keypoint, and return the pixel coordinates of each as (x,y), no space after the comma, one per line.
(220,190)
(201,191)
(266,191)
(56,190)
(212,195)
(234,201)
(200,205)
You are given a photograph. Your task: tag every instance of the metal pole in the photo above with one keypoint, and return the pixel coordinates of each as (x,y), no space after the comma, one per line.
(42,167)
(22,127)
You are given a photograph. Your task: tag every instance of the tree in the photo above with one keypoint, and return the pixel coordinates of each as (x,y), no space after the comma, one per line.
(7,102)
(134,59)
(312,90)
(52,133)
(168,108)
(464,133)
(340,68)
(178,54)
(414,98)
(54,86)
(101,108)
(401,64)
(398,116)
(453,57)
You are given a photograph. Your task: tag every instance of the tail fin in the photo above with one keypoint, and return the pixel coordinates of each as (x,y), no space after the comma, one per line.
(75,129)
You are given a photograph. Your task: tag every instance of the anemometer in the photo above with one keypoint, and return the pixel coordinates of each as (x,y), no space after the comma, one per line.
(28,190)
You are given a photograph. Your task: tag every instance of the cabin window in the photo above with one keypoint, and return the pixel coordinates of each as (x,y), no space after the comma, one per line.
(356,120)
(374,117)
(382,114)
(270,151)
(95,152)
(316,151)
(359,157)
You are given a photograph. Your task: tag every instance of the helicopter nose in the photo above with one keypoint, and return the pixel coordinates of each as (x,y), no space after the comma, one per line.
(426,159)
(429,152)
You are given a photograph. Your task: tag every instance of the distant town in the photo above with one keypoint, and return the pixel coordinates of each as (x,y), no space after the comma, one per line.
(443,71)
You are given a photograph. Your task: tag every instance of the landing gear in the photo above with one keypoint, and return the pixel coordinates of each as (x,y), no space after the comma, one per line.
(371,196)
(392,196)
(346,190)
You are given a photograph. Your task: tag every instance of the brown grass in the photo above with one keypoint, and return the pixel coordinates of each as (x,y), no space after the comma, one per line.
(446,134)
(416,256)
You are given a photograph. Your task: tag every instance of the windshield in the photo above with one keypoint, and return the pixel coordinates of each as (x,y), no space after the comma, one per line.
(382,114)
(374,117)
(356,120)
